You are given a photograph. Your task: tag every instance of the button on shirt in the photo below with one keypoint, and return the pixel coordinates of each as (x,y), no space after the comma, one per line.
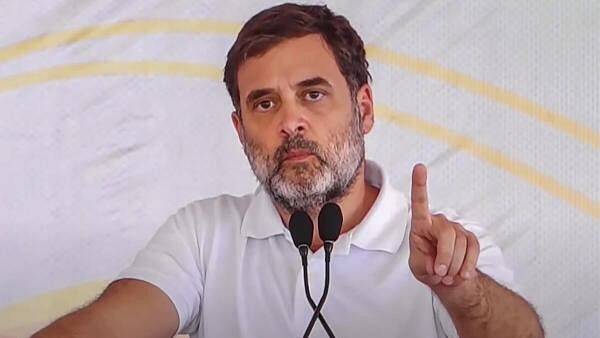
(230,267)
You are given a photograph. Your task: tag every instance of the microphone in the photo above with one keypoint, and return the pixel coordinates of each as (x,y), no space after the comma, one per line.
(330,225)
(301,228)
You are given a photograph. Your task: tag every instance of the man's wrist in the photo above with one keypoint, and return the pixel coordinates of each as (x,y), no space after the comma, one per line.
(469,299)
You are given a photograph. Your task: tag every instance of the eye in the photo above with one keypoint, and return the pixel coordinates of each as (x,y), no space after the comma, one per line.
(264,105)
(313,95)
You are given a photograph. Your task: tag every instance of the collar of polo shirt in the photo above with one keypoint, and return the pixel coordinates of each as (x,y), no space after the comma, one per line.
(383,228)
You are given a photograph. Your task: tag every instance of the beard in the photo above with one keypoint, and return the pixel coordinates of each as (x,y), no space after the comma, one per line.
(327,176)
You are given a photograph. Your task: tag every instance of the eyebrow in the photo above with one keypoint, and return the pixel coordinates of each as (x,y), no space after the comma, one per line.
(313,81)
(255,94)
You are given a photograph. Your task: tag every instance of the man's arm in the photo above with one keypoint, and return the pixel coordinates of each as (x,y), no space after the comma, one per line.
(443,256)
(480,307)
(127,308)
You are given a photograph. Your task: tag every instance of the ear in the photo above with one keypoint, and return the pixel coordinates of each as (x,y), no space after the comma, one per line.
(236,119)
(364,98)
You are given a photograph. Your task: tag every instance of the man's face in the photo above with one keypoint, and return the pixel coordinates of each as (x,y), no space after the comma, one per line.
(301,130)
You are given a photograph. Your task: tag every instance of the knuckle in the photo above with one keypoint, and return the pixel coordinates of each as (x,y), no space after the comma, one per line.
(418,198)
(461,235)
(440,218)
(459,228)
(448,230)
(474,241)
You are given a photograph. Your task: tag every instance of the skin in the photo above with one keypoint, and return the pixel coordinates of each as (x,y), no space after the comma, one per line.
(443,255)
(127,308)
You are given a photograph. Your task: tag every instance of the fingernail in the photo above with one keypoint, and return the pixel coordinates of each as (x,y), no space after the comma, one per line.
(466,275)
(448,280)
(441,270)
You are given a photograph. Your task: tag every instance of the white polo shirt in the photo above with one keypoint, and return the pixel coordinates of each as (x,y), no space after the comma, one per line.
(230,267)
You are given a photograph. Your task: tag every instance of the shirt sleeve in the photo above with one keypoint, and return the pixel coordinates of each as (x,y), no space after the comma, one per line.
(170,262)
(490,261)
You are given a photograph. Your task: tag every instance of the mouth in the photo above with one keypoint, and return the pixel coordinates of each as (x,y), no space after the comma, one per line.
(297,156)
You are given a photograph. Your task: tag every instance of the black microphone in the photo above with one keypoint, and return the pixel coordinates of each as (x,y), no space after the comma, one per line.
(301,228)
(330,225)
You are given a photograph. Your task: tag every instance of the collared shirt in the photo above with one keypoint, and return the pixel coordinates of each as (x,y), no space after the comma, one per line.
(230,267)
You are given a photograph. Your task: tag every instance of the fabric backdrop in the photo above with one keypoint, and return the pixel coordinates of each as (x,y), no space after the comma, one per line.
(113,115)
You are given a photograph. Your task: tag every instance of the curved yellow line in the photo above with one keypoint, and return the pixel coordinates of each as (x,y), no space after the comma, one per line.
(464,143)
(452,77)
(421,67)
(494,157)
(487,90)
(109,68)
(42,309)
(52,40)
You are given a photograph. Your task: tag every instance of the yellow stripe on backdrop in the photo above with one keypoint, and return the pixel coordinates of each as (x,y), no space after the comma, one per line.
(134,27)
(109,68)
(493,157)
(489,91)
(451,138)
(21,318)
(380,54)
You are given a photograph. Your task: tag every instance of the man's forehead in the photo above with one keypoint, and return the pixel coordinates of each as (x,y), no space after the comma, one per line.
(306,44)
(289,63)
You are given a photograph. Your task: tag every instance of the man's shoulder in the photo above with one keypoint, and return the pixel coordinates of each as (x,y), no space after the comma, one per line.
(224,203)
(218,212)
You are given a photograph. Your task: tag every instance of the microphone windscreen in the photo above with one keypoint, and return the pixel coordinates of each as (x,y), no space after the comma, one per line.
(301,228)
(330,222)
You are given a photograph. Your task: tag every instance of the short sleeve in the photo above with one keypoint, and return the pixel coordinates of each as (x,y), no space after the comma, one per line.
(170,262)
(490,261)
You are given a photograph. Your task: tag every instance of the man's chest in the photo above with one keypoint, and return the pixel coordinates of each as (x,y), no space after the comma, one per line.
(260,291)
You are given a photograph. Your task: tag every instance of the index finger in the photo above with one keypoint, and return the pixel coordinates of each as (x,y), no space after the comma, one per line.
(418,194)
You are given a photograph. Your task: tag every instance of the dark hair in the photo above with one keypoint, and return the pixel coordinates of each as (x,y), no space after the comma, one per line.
(273,25)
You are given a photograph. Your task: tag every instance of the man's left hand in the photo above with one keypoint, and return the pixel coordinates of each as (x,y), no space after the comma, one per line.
(442,252)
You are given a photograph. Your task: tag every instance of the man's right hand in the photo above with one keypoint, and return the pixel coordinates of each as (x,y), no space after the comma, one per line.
(127,308)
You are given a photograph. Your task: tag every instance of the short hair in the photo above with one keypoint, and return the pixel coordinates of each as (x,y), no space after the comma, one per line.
(273,25)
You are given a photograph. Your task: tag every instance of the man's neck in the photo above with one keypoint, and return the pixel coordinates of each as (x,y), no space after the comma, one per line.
(355,205)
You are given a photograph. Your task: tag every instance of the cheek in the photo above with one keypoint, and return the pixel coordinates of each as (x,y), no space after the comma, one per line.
(259,142)
(261,129)
(340,125)
(336,115)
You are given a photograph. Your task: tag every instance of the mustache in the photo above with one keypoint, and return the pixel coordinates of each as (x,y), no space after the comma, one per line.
(297,143)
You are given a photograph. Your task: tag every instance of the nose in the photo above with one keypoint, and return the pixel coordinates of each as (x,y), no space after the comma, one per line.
(293,120)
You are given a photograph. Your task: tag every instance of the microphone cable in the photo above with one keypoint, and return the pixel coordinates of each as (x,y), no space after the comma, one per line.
(330,224)
(301,228)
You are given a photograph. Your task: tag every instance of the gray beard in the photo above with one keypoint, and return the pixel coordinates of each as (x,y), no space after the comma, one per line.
(308,186)
(316,194)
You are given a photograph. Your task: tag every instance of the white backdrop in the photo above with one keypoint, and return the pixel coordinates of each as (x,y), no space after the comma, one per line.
(112,115)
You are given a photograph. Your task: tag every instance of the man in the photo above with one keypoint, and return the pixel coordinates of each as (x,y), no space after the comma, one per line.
(227,267)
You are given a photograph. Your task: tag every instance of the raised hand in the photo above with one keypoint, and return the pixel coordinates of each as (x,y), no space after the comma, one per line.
(441,251)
